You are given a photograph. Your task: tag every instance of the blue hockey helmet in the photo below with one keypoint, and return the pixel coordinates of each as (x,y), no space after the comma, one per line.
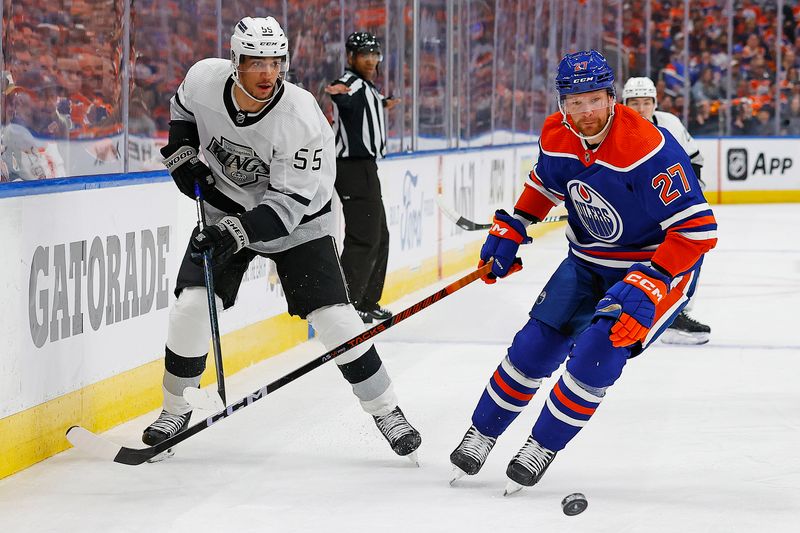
(583,72)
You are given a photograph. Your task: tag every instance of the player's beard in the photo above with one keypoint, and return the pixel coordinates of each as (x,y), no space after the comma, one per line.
(591,126)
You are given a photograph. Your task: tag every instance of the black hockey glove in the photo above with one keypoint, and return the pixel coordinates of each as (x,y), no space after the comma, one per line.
(224,239)
(181,161)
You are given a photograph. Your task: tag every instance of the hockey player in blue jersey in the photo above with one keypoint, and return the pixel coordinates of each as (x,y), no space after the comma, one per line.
(638,227)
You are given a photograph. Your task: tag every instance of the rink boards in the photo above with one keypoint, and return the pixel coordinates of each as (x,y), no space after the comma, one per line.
(88,278)
(88,272)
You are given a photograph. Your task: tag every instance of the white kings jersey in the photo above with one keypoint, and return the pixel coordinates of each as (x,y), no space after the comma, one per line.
(673,124)
(282,157)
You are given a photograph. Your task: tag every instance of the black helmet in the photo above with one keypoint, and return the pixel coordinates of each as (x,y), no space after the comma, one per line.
(361,42)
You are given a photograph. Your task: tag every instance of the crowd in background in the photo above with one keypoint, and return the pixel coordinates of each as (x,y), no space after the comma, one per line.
(63,63)
(762,67)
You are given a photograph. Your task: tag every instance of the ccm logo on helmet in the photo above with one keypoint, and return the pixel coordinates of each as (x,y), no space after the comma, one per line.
(645,284)
(581,80)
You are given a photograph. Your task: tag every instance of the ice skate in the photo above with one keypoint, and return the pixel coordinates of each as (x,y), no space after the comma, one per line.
(373,312)
(686,330)
(402,437)
(377,312)
(470,454)
(166,426)
(528,466)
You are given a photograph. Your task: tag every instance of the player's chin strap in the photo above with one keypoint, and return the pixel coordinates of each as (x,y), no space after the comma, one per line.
(587,138)
(278,84)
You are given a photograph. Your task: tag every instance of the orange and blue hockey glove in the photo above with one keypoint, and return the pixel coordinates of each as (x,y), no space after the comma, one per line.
(502,244)
(632,303)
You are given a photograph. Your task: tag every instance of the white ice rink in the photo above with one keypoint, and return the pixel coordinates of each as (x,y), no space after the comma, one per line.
(689,439)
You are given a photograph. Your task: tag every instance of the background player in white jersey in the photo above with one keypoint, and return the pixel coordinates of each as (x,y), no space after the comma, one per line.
(267,180)
(640,94)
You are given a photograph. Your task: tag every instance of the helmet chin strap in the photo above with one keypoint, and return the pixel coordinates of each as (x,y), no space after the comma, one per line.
(587,138)
(278,83)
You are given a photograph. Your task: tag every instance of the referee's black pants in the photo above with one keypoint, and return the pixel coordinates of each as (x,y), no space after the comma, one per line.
(366,235)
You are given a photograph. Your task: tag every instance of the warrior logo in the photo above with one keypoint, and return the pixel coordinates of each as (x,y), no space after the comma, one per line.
(599,218)
(240,164)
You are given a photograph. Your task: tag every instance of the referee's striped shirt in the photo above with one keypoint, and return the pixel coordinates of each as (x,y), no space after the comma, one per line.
(358,119)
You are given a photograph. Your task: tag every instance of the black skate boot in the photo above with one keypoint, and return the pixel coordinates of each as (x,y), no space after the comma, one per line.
(402,437)
(366,318)
(528,466)
(686,330)
(374,312)
(470,454)
(163,428)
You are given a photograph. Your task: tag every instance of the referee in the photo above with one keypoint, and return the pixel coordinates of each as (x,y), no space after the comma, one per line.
(360,129)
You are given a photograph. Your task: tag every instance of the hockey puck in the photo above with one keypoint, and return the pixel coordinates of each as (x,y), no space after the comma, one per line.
(574,504)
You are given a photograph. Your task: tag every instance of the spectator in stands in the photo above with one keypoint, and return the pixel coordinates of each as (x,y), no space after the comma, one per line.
(791,121)
(764,125)
(701,122)
(708,86)
(743,121)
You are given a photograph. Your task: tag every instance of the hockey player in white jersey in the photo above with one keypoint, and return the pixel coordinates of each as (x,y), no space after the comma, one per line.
(640,95)
(267,180)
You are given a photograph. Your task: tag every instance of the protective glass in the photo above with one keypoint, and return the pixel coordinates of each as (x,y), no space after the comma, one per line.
(576,104)
(375,56)
(265,64)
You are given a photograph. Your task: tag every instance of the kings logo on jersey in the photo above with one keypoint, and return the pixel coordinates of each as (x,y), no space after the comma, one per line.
(598,217)
(239,163)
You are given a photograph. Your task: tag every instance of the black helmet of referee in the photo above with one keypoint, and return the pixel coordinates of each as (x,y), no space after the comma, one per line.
(361,42)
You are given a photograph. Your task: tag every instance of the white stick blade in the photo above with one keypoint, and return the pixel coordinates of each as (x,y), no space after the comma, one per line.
(203,399)
(83,439)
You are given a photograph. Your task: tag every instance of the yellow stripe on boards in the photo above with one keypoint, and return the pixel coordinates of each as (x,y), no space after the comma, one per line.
(37,433)
(754,197)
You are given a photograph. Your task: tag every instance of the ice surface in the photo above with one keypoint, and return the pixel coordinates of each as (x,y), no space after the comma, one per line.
(690,439)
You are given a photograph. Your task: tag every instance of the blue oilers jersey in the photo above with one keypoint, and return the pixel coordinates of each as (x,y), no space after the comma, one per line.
(632,199)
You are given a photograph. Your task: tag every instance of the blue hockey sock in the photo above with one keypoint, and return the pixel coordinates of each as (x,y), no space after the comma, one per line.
(568,408)
(505,396)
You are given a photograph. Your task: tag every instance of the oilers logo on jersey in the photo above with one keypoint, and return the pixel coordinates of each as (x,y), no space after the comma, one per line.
(597,215)
(239,163)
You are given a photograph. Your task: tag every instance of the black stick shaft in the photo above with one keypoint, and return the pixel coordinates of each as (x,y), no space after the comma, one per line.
(132,456)
(212,303)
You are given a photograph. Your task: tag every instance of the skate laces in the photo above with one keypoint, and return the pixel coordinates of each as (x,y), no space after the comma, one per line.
(533,456)
(393,425)
(170,424)
(686,319)
(684,322)
(476,445)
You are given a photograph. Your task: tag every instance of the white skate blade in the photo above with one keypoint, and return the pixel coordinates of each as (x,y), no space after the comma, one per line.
(160,457)
(203,399)
(413,458)
(456,474)
(676,336)
(512,487)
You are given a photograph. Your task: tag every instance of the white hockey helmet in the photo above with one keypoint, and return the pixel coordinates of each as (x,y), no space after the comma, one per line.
(639,88)
(258,37)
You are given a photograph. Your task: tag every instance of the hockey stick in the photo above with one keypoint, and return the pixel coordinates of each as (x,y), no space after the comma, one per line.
(101,447)
(469,225)
(196,396)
